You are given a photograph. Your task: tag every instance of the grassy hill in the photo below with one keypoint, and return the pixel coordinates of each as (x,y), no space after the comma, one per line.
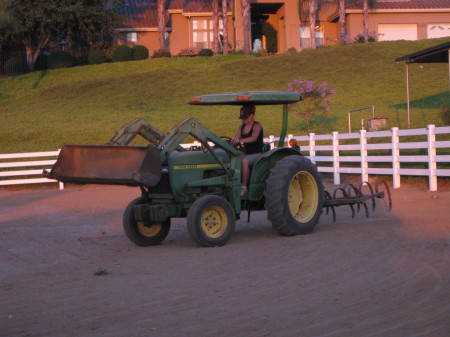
(42,110)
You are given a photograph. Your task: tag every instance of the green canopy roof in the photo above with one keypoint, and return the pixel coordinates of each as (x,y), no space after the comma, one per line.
(247,98)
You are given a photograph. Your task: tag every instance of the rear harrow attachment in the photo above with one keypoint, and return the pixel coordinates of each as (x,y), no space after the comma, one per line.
(350,195)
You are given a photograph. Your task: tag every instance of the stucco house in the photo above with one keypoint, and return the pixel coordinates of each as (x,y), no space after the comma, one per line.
(189,22)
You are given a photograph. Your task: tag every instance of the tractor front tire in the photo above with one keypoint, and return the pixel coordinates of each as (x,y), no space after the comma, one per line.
(294,196)
(140,233)
(211,221)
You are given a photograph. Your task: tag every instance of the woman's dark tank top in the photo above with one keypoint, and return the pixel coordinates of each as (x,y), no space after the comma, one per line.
(256,146)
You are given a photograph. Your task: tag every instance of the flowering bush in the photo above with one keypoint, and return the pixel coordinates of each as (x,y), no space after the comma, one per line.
(189,52)
(316,98)
(372,37)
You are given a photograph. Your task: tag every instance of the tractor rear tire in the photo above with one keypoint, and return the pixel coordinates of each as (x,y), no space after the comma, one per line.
(294,196)
(140,233)
(211,221)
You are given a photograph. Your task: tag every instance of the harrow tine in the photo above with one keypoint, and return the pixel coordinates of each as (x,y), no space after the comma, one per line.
(366,183)
(328,197)
(350,195)
(388,191)
(345,195)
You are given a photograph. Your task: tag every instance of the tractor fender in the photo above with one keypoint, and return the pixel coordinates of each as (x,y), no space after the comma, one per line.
(260,170)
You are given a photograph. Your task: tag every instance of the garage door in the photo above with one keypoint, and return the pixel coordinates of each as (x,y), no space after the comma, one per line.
(400,31)
(438,30)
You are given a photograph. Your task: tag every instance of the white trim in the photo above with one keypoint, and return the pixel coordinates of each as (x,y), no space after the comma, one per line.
(403,10)
(130,30)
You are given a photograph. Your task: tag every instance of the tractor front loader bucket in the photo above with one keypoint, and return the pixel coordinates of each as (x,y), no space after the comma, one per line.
(107,164)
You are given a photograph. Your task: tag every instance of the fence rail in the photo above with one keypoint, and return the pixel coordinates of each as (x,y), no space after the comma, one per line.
(364,153)
(28,172)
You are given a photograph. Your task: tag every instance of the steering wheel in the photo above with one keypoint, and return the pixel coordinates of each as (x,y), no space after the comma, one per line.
(227,139)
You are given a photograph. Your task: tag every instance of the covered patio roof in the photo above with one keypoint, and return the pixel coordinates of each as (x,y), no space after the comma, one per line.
(436,54)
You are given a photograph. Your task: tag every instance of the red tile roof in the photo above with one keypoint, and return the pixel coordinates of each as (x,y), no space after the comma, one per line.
(143,13)
(406,4)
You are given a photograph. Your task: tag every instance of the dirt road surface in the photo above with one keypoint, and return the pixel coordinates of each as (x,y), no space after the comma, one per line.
(388,275)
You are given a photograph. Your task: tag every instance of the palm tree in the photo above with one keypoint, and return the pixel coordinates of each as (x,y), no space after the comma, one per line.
(246,25)
(367,4)
(161,5)
(215,11)
(342,30)
(366,20)
(312,22)
(225,27)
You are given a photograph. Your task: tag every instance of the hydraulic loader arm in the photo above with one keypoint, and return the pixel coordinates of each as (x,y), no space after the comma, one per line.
(192,127)
(134,128)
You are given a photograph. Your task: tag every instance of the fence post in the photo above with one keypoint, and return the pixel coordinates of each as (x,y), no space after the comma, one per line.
(312,147)
(337,177)
(364,163)
(271,141)
(395,158)
(431,140)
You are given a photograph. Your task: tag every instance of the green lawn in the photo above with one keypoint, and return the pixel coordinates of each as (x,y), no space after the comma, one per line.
(42,110)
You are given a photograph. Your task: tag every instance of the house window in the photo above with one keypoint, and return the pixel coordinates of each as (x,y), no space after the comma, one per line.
(132,37)
(305,37)
(438,30)
(202,33)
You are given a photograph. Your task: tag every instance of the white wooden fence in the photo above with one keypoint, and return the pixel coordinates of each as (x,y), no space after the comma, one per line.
(27,172)
(427,151)
(362,153)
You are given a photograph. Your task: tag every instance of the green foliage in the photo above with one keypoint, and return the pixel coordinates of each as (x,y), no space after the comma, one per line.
(97,57)
(41,62)
(37,22)
(271,37)
(161,53)
(140,52)
(60,59)
(15,66)
(99,99)
(205,52)
(122,53)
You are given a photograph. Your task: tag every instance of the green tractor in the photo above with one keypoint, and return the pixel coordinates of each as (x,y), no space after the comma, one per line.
(200,183)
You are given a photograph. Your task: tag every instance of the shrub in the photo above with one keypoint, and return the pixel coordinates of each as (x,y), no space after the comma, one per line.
(189,52)
(15,66)
(161,53)
(122,53)
(291,50)
(315,98)
(205,52)
(41,61)
(140,52)
(372,37)
(60,59)
(97,57)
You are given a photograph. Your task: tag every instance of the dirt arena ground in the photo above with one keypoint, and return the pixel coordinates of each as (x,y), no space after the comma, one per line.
(388,275)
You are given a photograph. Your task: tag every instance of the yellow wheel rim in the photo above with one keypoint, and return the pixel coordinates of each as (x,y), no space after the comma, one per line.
(214,222)
(303,196)
(149,231)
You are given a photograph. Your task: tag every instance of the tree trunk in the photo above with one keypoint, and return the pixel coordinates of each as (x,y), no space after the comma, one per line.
(31,53)
(215,10)
(161,4)
(246,23)
(342,30)
(366,19)
(312,23)
(225,27)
